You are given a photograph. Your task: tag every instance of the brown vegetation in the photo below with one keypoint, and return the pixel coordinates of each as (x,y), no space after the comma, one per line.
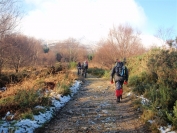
(122,42)
(48,82)
(70,50)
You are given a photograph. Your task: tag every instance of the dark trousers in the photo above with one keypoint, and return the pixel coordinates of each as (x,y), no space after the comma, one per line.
(78,70)
(119,84)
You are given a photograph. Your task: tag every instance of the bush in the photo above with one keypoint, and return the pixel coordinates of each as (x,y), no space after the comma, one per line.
(148,114)
(142,82)
(58,67)
(173,116)
(26,98)
(134,81)
(63,89)
(96,71)
(36,111)
(164,66)
(44,101)
(27,115)
(158,84)
(72,65)
(106,74)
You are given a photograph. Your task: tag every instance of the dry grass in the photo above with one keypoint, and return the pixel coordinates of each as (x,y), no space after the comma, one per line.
(38,83)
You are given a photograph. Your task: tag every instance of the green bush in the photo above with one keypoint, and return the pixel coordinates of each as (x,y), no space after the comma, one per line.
(26,98)
(134,81)
(142,82)
(157,83)
(63,89)
(72,65)
(7,100)
(96,71)
(164,66)
(139,90)
(27,115)
(44,101)
(173,116)
(152,93)
(106,74)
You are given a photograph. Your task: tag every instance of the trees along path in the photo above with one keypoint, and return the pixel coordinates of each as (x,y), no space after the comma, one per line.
(94,110)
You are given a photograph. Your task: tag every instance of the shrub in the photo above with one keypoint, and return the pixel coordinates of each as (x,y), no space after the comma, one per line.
(106,74)
(27,115)
(26,98)
(158,84)
(164,66)
(36,111)
(96,71)
(148,114)
(63,89)
(134,81)
(72,65)
(160,99)
(173,116)
(44,101)
(58,67)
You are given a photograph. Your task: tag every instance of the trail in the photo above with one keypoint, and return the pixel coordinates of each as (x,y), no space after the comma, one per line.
(94,110)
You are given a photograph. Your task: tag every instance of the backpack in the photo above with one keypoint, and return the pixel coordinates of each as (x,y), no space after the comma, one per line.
(120,69)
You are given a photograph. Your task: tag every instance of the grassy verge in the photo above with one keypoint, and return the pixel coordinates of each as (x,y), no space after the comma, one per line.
(21,97)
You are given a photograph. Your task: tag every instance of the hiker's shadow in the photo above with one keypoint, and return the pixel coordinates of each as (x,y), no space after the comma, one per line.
(125,99)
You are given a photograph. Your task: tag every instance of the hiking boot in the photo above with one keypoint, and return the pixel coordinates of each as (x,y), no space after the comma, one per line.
(118,99)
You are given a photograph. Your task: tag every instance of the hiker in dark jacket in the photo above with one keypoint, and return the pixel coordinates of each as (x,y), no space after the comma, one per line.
(120,75)
(84,67)
(79,68)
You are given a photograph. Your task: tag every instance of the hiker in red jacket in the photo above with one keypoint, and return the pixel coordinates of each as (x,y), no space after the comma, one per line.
(120,75)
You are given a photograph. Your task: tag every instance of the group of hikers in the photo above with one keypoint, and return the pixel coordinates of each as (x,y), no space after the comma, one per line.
(119,75)
(82,68)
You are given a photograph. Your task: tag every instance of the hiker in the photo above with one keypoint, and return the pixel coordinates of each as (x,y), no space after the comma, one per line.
(78,68)
(84,67)
(86,64)
(120,75)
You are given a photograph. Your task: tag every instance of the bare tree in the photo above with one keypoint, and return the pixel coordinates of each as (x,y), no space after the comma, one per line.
(165,35)
(3,54)
(71,50)
(9,18)
(21,51)
(122,42)
(47,59)
(124,39)
(37,49)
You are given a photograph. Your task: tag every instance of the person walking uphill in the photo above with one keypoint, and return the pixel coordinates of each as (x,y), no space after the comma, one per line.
(120,75)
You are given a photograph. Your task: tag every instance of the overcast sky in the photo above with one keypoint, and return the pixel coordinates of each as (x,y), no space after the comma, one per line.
(91,20)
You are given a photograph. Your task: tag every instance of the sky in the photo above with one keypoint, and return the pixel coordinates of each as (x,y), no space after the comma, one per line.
(91,20)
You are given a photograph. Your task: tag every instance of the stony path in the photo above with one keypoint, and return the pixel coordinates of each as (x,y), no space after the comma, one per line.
(94,110)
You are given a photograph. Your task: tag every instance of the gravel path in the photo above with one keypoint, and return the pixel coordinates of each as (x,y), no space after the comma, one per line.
(94,110)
